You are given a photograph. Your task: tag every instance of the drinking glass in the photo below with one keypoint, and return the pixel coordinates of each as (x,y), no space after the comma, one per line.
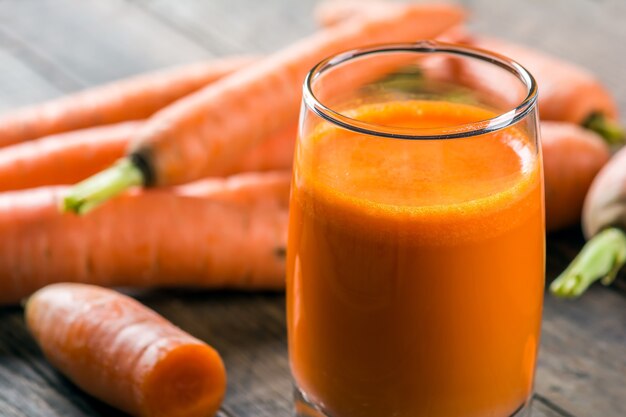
(415,260)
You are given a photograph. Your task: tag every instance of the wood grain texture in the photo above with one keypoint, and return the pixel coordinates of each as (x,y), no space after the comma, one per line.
(237,26)
(20,83)
(51,46)
(97,41)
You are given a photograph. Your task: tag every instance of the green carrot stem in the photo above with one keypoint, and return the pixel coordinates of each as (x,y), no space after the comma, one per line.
(95,190)
(601,258)
(611,131)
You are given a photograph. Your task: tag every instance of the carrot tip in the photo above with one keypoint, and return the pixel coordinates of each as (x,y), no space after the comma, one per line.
(600,259)
(99,188)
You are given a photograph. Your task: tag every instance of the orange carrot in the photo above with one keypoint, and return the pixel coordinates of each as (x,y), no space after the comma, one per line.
(130,99)
(180,143)
(568,93)
(604,224)
(63,158)
(66,158)
(572,156)
(227,235)
(273,153)
(125,354)
(269,189)
(435,68)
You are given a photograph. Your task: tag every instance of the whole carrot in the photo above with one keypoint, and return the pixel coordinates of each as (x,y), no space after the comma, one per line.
(569,93)
(66,158)
(213,236)
(63,158)
(130,99)
(604,224)
(572,156)
(181,142)
(125,354)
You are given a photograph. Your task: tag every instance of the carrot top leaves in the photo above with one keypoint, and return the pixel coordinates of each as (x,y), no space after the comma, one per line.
(601,258)
(612,132)
(93,191)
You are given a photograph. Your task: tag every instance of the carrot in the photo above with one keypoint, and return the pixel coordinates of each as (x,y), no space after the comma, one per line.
(269,189)
(229,234)
(125,354)
(568,93)
(572,156)
(180,143)
(273,153)
(604,224)
(66,158)
(130,99)
(63,158)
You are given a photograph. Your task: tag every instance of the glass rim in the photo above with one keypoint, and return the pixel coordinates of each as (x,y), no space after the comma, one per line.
(496,123)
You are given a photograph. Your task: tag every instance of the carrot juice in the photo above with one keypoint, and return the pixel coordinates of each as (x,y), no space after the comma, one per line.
(415,267)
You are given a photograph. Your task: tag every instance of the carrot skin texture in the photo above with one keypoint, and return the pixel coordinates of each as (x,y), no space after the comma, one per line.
(568,92)
(181,142)
(572,156)
(271,154)
(70,157)
(268,189)
(605,204)
(63,158)
(125,354)
(129,99)
(231,234)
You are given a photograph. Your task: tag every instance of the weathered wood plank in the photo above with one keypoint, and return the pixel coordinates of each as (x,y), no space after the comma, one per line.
(20,83)
(582,361)
(98,41)
(237,25)
(544,408)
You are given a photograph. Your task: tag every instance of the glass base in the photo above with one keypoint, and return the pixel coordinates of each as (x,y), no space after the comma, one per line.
(305,408)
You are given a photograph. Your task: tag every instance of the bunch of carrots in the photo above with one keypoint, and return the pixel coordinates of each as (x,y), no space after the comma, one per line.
(195,162)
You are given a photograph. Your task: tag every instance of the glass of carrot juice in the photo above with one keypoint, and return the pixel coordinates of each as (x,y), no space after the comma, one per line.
(415,260)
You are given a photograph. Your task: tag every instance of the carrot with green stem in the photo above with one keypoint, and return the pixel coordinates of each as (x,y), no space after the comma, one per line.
(223,233)
(66,158)
(125,354)
(604,224)
(569,93)
(133,98)
(181,143)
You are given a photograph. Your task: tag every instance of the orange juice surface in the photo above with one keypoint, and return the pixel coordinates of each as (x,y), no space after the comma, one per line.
(415,268)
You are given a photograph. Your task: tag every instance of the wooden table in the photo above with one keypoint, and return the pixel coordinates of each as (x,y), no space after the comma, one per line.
(52,47)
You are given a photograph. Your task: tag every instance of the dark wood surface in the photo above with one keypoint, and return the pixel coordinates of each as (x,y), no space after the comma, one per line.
(51,47)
